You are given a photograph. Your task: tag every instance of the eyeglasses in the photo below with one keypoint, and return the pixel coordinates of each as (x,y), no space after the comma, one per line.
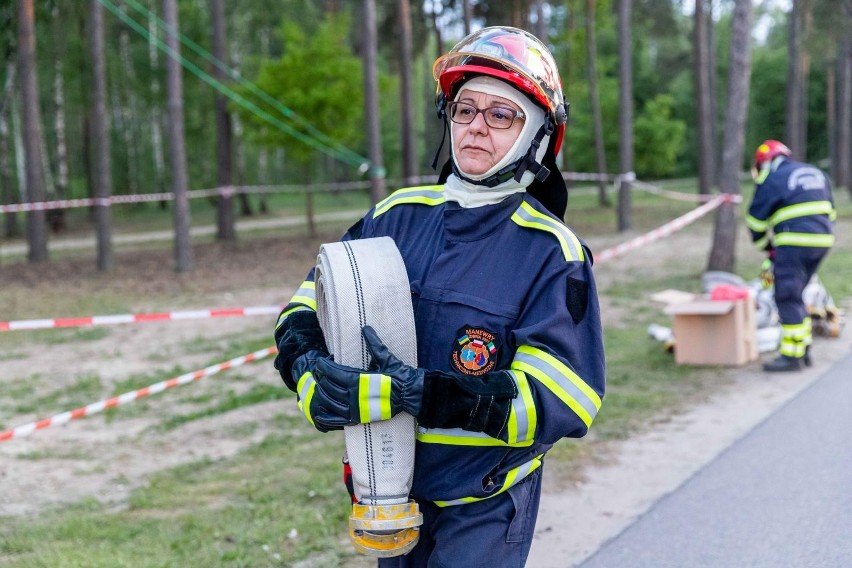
(495,117)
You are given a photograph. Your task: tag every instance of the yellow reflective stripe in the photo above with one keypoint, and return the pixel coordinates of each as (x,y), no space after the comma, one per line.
(801,210)
(796,332)
(286,313)
(755,224)
(522,416)
(761,243)
(374,397)
(527,216)
(459,437)
(306,294)
(424,195)
(833,215)
(304,297)
(795,338)
(513,477)
(560,380)
(761,177)
(792,348)
(306,387)
(804,240)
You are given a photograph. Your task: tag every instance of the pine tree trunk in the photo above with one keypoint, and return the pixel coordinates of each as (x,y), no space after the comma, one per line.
(714,98)
(844,105)
(467,16)
(798,64)
(100,139)
(706,145)
(156,117)
(540,23)
(625,114)
(35,183)
(224,143)
(177,152)
(409,153)
(594,99)
(371,101)
(125,97)
(7,184)
(723,253)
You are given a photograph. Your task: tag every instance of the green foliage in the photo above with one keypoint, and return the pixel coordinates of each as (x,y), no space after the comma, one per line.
(320,79)
(767,96)
(660,138)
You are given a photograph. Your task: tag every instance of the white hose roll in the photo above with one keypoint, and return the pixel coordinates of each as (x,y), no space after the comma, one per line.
(358,283)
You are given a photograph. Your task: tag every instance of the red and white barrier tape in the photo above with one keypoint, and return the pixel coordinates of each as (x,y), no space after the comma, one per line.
(225,191)
(127,397)
(138,318)
(664,230)
(681,196)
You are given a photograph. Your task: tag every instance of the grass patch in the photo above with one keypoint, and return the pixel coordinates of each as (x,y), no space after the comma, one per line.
(60,453)
(81,391)
(53,336)
(255,395)
(269,506)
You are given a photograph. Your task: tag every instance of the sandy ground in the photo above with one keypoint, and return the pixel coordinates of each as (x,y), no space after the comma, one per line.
(106,458)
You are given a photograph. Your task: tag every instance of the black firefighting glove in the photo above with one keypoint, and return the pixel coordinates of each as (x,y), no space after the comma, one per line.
(437,399)
(298,334)
(321,410)
(300,345)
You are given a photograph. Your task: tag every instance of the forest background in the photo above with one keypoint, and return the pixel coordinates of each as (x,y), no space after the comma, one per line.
(274,92)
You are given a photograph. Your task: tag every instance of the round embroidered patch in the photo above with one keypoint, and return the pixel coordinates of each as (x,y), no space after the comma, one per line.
(475,351)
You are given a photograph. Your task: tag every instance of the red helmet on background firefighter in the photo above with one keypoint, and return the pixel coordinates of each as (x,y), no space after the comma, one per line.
(763,156)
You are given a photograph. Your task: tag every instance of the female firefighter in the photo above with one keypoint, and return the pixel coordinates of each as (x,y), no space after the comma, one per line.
(508,326)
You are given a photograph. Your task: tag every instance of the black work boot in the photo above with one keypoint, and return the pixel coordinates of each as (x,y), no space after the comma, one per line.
(782,364)
(807,358)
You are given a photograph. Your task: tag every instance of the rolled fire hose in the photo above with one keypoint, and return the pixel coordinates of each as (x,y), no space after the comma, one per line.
(358,283)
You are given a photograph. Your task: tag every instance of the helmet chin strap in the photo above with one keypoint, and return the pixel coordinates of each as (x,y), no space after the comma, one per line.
(517,168)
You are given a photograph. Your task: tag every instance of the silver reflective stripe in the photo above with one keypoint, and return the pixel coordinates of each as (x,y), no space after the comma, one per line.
(306,294)
(513,477)
(305,387)
(374,397)
(560,380)
(522,418)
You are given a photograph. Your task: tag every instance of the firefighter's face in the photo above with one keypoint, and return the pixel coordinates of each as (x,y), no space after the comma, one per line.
(477,147)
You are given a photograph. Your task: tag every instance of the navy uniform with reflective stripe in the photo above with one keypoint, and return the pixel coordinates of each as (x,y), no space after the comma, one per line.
(793,212)
(516,272)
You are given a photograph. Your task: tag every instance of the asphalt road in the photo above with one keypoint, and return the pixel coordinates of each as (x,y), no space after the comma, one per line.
(780,497)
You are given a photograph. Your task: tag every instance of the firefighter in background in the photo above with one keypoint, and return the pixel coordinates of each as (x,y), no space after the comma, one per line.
(791,218)
(509,337)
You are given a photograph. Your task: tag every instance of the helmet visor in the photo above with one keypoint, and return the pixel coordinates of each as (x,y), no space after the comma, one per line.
(512,50)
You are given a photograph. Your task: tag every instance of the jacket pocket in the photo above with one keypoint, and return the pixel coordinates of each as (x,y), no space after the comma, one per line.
(525,496)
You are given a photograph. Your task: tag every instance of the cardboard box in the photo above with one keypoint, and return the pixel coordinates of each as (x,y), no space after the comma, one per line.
(713,332)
